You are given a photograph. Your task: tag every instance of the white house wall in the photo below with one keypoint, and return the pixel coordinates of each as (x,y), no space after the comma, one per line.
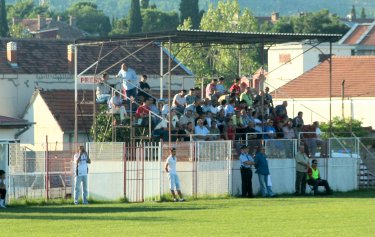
(280,73)
(318,109)
(46,125)
(7,134)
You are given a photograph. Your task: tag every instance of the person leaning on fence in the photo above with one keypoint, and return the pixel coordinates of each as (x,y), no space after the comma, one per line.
(3,190)
(261,165)
(174,181)
(81,160)
(246,173)
(313,178)
(302,165)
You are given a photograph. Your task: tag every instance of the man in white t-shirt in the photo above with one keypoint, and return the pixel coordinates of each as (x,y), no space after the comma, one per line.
(174,181)
(179,101)
(81,161)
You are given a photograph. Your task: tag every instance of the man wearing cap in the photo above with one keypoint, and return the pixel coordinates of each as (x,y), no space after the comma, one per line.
(246,173)
(174,181)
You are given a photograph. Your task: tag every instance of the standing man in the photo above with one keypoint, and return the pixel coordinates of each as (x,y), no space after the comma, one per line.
(144,92)
(174,181)
(261,164)
(246,173)
(302,164)
(129,81)
(81,160)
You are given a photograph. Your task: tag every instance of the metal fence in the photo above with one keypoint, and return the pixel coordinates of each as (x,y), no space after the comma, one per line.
(135,171)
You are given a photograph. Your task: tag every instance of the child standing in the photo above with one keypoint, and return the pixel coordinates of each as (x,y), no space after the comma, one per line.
(3,190)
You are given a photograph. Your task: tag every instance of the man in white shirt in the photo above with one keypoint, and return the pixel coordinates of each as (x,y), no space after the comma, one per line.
(129,81)
(201,131)
(179,101)
(115,106)
(174,181)
(81,161)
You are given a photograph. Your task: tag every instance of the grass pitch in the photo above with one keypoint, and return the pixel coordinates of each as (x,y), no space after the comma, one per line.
(343,214)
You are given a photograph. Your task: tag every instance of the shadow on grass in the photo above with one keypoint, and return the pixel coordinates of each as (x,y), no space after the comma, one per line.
(90,212)
(368,193)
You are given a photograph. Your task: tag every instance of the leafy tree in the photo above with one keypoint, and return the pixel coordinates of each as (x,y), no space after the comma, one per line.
(89,18)
(145,4)
(363,13)
(321,22)
(190,8)
(4,29)
(18,31)
(135,18)
(120,27)
(217,60)
(156,20)
(28,9)
(343,127)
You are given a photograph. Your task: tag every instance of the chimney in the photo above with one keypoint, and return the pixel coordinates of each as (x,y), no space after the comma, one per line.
(12,53)
(41,22)
(274,17)
(15,21)
(58,18)
(70,53)
(72,21)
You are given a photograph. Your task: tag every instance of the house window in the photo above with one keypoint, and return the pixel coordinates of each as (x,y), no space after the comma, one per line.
(284,58)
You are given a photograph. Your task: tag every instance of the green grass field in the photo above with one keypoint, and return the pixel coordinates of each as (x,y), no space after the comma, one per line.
(343,214)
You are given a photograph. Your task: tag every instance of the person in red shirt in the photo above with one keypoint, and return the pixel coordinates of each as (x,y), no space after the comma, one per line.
(235,88)
(229,131)
(142,113)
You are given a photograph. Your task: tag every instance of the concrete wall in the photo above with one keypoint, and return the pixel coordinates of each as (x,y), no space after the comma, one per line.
(106,178)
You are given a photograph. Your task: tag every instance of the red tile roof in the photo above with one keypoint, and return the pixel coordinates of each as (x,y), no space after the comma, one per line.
(61,105)
(47,56)
(357,71)
(356,34)
(369,39)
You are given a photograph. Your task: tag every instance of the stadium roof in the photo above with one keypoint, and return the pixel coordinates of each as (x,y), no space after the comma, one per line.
(218,37)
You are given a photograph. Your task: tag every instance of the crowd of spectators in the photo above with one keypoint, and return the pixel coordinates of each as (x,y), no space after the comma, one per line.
(240,113)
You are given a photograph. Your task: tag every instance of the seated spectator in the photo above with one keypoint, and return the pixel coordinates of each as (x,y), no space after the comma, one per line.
(247,97)
(190,97)
(161,130)
(313,178)
(211,88)
(187,134)
(165,110)
(288,130)
(214,131)
(221,120)
(201,132)
(142,112)
(156,111)
(179,102)
(229,131)
(103,91)
(319,140)
(229,108)
(220,88)
(144,92)
(235,88)
(279,130)
(187,117)
(115,106)
(270,132)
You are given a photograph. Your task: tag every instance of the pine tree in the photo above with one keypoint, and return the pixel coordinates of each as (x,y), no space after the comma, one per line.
(190,8)
(363,13)
(4,29)
(353,13)
(135,17)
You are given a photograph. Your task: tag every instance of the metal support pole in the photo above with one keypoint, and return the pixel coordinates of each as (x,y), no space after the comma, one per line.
(75,50)
(342,98)
(330,89)
(239,60)
(169,93)
(161,70)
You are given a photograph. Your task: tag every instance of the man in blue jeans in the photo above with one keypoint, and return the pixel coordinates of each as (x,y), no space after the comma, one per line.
(81,160)
(263,172)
